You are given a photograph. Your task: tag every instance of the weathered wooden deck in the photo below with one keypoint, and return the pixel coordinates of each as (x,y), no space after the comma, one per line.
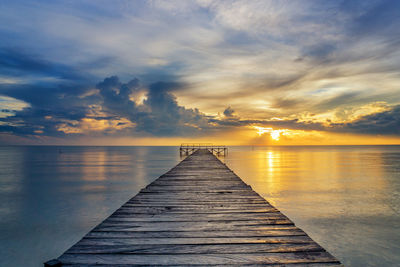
(198,213)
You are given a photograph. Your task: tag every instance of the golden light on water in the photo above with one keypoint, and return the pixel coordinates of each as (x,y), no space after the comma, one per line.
(284,175)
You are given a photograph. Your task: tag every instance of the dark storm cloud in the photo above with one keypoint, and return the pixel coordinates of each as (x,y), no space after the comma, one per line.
(61,103)
(116,96)
(167,117)
(50,106)
(17,63)
(383,123)
(228,112)
(51,101)
(159,115)
(51,97)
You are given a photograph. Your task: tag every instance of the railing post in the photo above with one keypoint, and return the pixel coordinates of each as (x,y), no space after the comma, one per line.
(187,148)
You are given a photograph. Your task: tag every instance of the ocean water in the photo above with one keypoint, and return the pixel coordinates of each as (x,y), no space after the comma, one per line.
(347,198)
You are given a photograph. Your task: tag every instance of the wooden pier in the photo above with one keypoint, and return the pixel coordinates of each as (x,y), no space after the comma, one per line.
(198,213)
(187,149)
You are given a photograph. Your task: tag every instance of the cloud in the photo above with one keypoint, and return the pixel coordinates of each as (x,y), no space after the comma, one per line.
(67,109)
(76,109)
(381,123)
(337,101)
(293,124)
(267,59)
(116,96)
(16,63)
(60,103)
(10,105)
(320,52)
(166,117)
(228,112)
(286,103)
(158,115)
(376,18)
(111,108)
(384,121)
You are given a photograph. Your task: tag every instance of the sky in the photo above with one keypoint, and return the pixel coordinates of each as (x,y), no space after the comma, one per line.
(227,72)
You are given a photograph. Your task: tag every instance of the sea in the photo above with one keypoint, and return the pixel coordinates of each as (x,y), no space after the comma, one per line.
(347,198)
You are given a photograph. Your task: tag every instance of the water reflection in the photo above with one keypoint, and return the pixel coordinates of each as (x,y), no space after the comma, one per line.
(93,165)
(51,196)
(346,198)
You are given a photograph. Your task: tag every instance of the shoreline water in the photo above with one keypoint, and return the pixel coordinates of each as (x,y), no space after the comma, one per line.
(345,197)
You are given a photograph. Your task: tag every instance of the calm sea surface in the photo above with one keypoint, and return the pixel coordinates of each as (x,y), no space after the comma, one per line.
(347,198)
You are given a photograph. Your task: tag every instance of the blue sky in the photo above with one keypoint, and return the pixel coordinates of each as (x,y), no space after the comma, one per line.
(143,70)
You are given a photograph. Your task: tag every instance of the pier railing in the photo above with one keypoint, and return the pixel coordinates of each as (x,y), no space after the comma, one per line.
(189,148)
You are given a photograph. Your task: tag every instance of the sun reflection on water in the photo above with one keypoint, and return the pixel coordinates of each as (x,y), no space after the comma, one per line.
(345,198)
(287,175)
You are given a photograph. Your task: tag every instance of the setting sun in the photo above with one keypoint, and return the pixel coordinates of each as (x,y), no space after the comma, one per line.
(275,134)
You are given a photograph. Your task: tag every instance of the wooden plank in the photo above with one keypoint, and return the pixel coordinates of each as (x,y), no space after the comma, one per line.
(201,189)
(199,195)
(269,232)
(152,211)
(189,217)
(198,213)
(262,258)
(218,198)
(116,238)
(197,208)
(195,249)
(210,205)
(187,203)
(189,226)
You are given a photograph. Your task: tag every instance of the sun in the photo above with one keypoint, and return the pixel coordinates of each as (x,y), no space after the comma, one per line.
(275,134)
